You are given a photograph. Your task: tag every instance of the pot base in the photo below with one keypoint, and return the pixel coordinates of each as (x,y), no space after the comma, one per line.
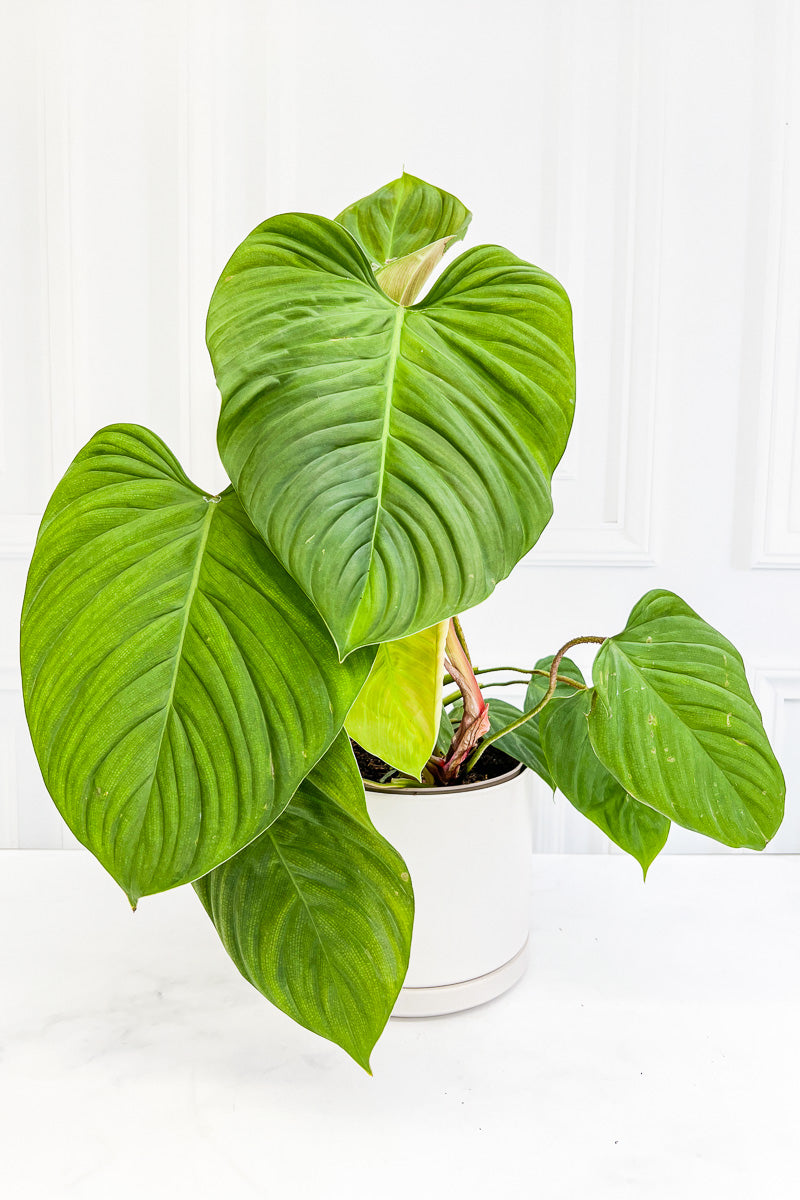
(455,997)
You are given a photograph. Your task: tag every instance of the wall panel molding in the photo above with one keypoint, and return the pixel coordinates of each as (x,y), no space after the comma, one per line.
(603,488)
(777,693)
(776,520)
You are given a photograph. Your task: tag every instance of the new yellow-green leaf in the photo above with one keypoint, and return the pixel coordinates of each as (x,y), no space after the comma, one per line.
(398,710)
(403,217)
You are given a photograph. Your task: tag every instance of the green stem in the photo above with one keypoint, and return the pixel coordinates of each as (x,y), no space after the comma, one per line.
(491,670)
(462,639)
(573,683)
(581,687)
(546,698)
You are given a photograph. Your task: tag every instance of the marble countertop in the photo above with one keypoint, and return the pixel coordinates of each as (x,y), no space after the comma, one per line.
(652,1051)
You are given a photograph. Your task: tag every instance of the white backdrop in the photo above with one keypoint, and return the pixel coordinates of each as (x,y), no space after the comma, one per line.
(645,153)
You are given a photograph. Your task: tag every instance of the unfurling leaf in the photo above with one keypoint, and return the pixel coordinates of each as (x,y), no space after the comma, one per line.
(403,217)
(398,710)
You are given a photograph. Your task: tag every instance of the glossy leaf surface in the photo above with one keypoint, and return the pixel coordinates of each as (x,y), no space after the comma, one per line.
(178,684)
(317,912)
(676,724)
(398,711)
(403,217)
(396,460)
(590,788)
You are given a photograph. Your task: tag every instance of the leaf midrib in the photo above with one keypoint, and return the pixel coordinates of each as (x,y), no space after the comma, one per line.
(391,369)
(335,971)
(192,589)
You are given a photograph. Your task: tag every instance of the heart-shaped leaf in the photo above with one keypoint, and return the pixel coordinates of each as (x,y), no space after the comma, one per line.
(676,724)
(178,684)
(396,460)
(398,710)
(317,912)
(582,778)
(403,217)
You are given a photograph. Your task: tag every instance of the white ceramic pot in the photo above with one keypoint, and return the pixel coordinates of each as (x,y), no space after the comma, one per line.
(468,850)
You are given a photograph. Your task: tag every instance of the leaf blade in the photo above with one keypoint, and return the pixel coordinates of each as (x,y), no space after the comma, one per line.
(397,713)
(403,217)
(161,644)
(591,788)
(385,421)
(317,912)
(676,723)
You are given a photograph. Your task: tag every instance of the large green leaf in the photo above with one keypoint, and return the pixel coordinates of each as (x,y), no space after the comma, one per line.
(675,722)
(397,460)
(398,710)
(317,912)
(403,217)
(582,778)
(178,684)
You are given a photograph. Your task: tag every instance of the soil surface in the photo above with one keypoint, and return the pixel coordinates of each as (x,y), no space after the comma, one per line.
(490,765)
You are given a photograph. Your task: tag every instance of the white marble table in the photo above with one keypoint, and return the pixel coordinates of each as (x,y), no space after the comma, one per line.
(652,1051)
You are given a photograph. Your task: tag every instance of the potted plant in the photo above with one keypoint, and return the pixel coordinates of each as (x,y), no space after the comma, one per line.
(194,664)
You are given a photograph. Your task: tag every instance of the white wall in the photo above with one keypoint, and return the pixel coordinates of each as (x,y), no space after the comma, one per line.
(645,153)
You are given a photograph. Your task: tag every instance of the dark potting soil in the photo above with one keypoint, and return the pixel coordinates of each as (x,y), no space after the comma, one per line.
(490,765)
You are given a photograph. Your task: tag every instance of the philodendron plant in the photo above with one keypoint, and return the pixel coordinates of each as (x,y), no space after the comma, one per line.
(193,664)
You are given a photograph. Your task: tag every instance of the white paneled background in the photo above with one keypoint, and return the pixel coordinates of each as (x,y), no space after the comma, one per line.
(644,152)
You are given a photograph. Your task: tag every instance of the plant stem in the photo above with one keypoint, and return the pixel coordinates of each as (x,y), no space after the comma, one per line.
(548,696)
(491,670)
(573,683)
(462,639)
(580,687)
(475,716)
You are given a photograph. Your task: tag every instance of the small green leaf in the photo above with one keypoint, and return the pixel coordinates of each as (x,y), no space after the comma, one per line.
(539,683)
(444,736)
(676,724)
(404,216)
(317,912)
(590,788)
(398,710)
(178,684)
(523,744)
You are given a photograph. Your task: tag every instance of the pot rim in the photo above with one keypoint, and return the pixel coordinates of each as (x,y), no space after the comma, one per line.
(449,789)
